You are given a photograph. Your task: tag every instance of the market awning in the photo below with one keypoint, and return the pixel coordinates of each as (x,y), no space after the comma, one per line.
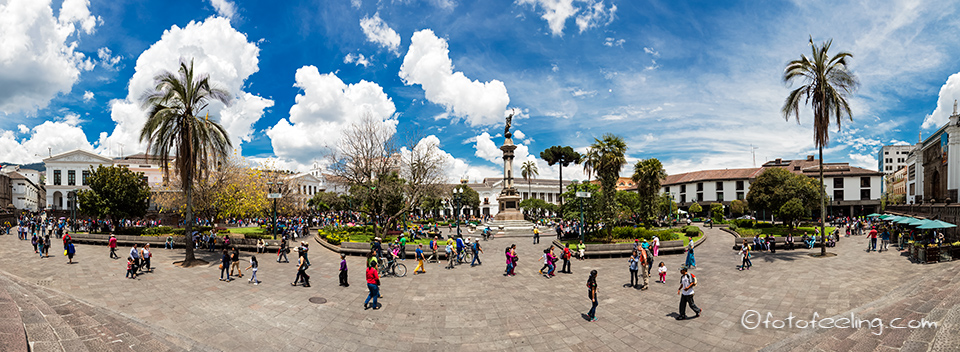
(936,224)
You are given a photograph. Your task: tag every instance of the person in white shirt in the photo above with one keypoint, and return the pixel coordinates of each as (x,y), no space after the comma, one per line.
(687,282)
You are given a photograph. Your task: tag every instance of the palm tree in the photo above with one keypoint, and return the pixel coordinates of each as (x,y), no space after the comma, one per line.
(563,156)
(529,170)
(826,84)
(174,125)
(607,157)
(647,175)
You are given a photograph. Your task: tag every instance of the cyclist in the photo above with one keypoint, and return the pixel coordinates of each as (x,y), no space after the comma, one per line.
(460,246)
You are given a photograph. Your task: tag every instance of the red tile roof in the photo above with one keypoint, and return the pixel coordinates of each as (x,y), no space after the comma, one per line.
(712,175)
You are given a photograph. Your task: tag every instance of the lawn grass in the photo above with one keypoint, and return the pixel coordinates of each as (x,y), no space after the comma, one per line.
(248,230)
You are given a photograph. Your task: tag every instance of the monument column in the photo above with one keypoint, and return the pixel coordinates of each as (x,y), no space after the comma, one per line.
(509,198)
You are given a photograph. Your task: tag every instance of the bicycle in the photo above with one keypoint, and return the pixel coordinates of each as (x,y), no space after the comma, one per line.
(391,268)
(465,256)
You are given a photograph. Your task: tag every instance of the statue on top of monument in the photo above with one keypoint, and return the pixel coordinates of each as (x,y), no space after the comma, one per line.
(506,130)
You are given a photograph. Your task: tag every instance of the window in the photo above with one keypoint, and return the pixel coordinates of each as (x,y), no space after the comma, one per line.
(699,186)
(739,185)
(550,197)
(699,196)
(719,186)
(886,153)
(666,190)
(889,168)
(719,196)
(740,195)
(912,192)
(864,194)
(71,178)
(864,182)
(838,194)
(683,188)
(838,182)
(83,177)
(683,198)
(56,177)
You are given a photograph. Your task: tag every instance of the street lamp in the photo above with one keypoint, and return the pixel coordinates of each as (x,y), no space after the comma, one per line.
(274,195)
(457,195)
(72,198)
(580,196)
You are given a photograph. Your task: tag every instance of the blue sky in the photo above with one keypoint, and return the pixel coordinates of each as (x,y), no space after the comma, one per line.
(695,84)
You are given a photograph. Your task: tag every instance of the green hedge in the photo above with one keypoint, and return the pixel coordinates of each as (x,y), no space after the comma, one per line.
(691,231)
(624,232)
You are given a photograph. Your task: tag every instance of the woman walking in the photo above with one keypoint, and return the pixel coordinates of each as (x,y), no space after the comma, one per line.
(592,294)
(253,268)
(70,251)
(373,284)
(656,246)
(41,246)
(691,261)
(745,263)
(225,265)
(146,255)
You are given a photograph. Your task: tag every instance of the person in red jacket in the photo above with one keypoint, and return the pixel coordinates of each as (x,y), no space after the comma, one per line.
(113,247)
(373,284)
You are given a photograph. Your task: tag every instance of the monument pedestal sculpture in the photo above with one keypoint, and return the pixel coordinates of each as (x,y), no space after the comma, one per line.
(509,197)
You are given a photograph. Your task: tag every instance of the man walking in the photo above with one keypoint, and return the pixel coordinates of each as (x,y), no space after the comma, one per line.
(566,259)
(135,254)
(403,247)
(451,256)
(687,282)
(113,247)
(434,245)
(476,252)
(644,259)
(419,257)
(873,240)
(536,235)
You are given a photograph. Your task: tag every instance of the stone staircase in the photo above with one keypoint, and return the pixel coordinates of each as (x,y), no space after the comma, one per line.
(514,228)
(53,321)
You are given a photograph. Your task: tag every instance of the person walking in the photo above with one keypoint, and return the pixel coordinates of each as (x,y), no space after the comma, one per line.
(373,284)
(656,246)
(663,273)
(873,240)
(451,256)
(403,247)
(253,269)
(135,254)
(235,261)
(418,255)
(434,245)
(691,261)
(634,266)
(536,235)
(112,244)
(475,247)
(885,241)
(70,251)
(645,261)
(33,241)
(145,256)
(302,273)
(687,282)
(745,263)
(132,274)
(506,253)
(282,252)
(566,259)
(42,247)
(592,294)
(225,265)
(343,270)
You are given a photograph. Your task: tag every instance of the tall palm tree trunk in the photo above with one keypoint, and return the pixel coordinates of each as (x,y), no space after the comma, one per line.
(823,209)
(188,225)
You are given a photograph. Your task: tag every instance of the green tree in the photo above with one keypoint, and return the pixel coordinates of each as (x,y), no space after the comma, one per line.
(537,206)
(716,212)
(647,174)
(469,199)
(591,206)
(792,210)
(630,204)
(665,205)
(529,170)
(776,186)
(563,156)
(325,201)
(738,207)
(826,84)
(431,205)
(695,208)
(174,126)
(606,157)
(115,193)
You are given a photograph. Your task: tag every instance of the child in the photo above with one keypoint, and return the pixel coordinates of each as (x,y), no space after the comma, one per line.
(130,273)
(41,245)
(253,268)
(663,273)
(343,270)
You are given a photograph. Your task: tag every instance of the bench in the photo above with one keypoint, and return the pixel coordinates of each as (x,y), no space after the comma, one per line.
(244,244)
(362,248)
(624,249)
(781,243)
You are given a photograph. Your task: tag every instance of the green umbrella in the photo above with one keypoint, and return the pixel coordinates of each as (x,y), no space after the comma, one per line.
(886,216)
(918,222)
(936,224)
(904,220)
(873,215)
(891,218)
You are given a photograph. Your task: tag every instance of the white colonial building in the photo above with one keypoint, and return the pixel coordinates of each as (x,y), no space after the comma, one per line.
(26,188)
(489,192)
(67,173)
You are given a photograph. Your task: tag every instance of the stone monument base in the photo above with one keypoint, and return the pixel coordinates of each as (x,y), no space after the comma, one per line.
(509,214)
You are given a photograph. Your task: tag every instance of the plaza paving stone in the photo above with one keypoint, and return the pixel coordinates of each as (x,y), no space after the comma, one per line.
(478,309)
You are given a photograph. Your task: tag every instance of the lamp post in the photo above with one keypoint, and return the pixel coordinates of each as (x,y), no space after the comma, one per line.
(274,195)
(72,197)
(580,196)
(457,195)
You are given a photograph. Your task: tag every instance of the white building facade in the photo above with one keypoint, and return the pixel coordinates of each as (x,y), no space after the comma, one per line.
(67,173)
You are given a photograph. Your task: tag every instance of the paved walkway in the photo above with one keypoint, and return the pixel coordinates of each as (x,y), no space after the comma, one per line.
(479,309)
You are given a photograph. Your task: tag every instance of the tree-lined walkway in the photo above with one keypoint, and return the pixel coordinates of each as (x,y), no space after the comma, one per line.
(479,309)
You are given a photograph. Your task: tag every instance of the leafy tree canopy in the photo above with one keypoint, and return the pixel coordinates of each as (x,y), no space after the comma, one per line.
(776,186)
(115,193)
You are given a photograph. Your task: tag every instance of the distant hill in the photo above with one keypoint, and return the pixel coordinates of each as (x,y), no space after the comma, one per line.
(35,166)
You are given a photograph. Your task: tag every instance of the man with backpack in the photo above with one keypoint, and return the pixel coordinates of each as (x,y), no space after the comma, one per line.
(475,246)
(645,261)
(566,259)
(687,282)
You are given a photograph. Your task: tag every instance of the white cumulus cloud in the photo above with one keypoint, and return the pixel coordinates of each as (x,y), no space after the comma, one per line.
(359,59)
(107,60)
(325,108)
(949,92)
(60,135)
(224,8)
(217,50)
(428,64)
(87,96)
(455,168)
(39,58)
(377,31)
